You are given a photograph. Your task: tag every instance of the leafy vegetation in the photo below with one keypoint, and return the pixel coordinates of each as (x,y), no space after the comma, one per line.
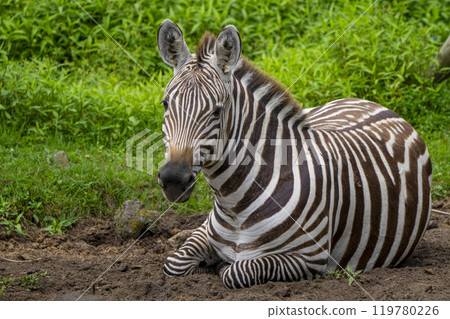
(29,282)
(65,85)
(348,273)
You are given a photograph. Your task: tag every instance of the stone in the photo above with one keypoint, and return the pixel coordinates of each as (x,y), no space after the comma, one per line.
(159,246)
(82,245)
(177,240)
(429,271)
(61,158)
(432,224)
(132,219)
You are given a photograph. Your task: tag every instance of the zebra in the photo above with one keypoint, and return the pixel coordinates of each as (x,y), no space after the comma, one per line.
(360,196)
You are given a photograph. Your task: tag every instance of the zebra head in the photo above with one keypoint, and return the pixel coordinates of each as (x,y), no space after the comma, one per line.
(197,102)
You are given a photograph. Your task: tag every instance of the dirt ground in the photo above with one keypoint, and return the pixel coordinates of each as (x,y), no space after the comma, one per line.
(75,260)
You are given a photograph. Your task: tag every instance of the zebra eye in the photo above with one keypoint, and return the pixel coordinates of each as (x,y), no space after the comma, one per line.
(217,111)
(165,103)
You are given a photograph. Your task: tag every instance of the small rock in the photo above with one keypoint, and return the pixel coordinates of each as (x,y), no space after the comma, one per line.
(159,247)
(287,293)
(174,231)
(429,271)
(82,245)
(134,267)
(61,158)
(432,224)
(40,239)
(132,219)
(177,240)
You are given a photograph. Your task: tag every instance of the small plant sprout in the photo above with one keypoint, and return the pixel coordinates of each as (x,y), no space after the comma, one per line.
(29,282)
(348,273)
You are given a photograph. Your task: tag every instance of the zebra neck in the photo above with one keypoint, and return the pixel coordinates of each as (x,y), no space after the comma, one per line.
(262,113)
(260,104)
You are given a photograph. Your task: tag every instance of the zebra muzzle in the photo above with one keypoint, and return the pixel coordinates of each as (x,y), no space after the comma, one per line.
(177,182)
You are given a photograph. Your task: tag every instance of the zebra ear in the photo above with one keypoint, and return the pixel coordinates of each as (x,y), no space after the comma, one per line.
(228,49)
(172,47)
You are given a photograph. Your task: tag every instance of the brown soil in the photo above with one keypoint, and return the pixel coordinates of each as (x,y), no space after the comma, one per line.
(75,260)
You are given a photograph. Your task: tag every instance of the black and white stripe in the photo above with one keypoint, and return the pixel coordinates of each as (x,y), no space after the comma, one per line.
(358,195)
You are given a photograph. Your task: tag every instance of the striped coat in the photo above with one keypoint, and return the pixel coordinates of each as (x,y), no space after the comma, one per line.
(297,192)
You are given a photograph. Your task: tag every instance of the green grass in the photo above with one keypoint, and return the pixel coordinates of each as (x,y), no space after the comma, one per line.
(65,85)
(95,183)
(29,282)
(348,273)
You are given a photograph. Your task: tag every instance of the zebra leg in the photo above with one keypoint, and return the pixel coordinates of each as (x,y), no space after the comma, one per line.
(195,256)
(279,267)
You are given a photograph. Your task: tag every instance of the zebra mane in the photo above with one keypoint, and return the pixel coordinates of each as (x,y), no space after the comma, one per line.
(205,46)
(259,78)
